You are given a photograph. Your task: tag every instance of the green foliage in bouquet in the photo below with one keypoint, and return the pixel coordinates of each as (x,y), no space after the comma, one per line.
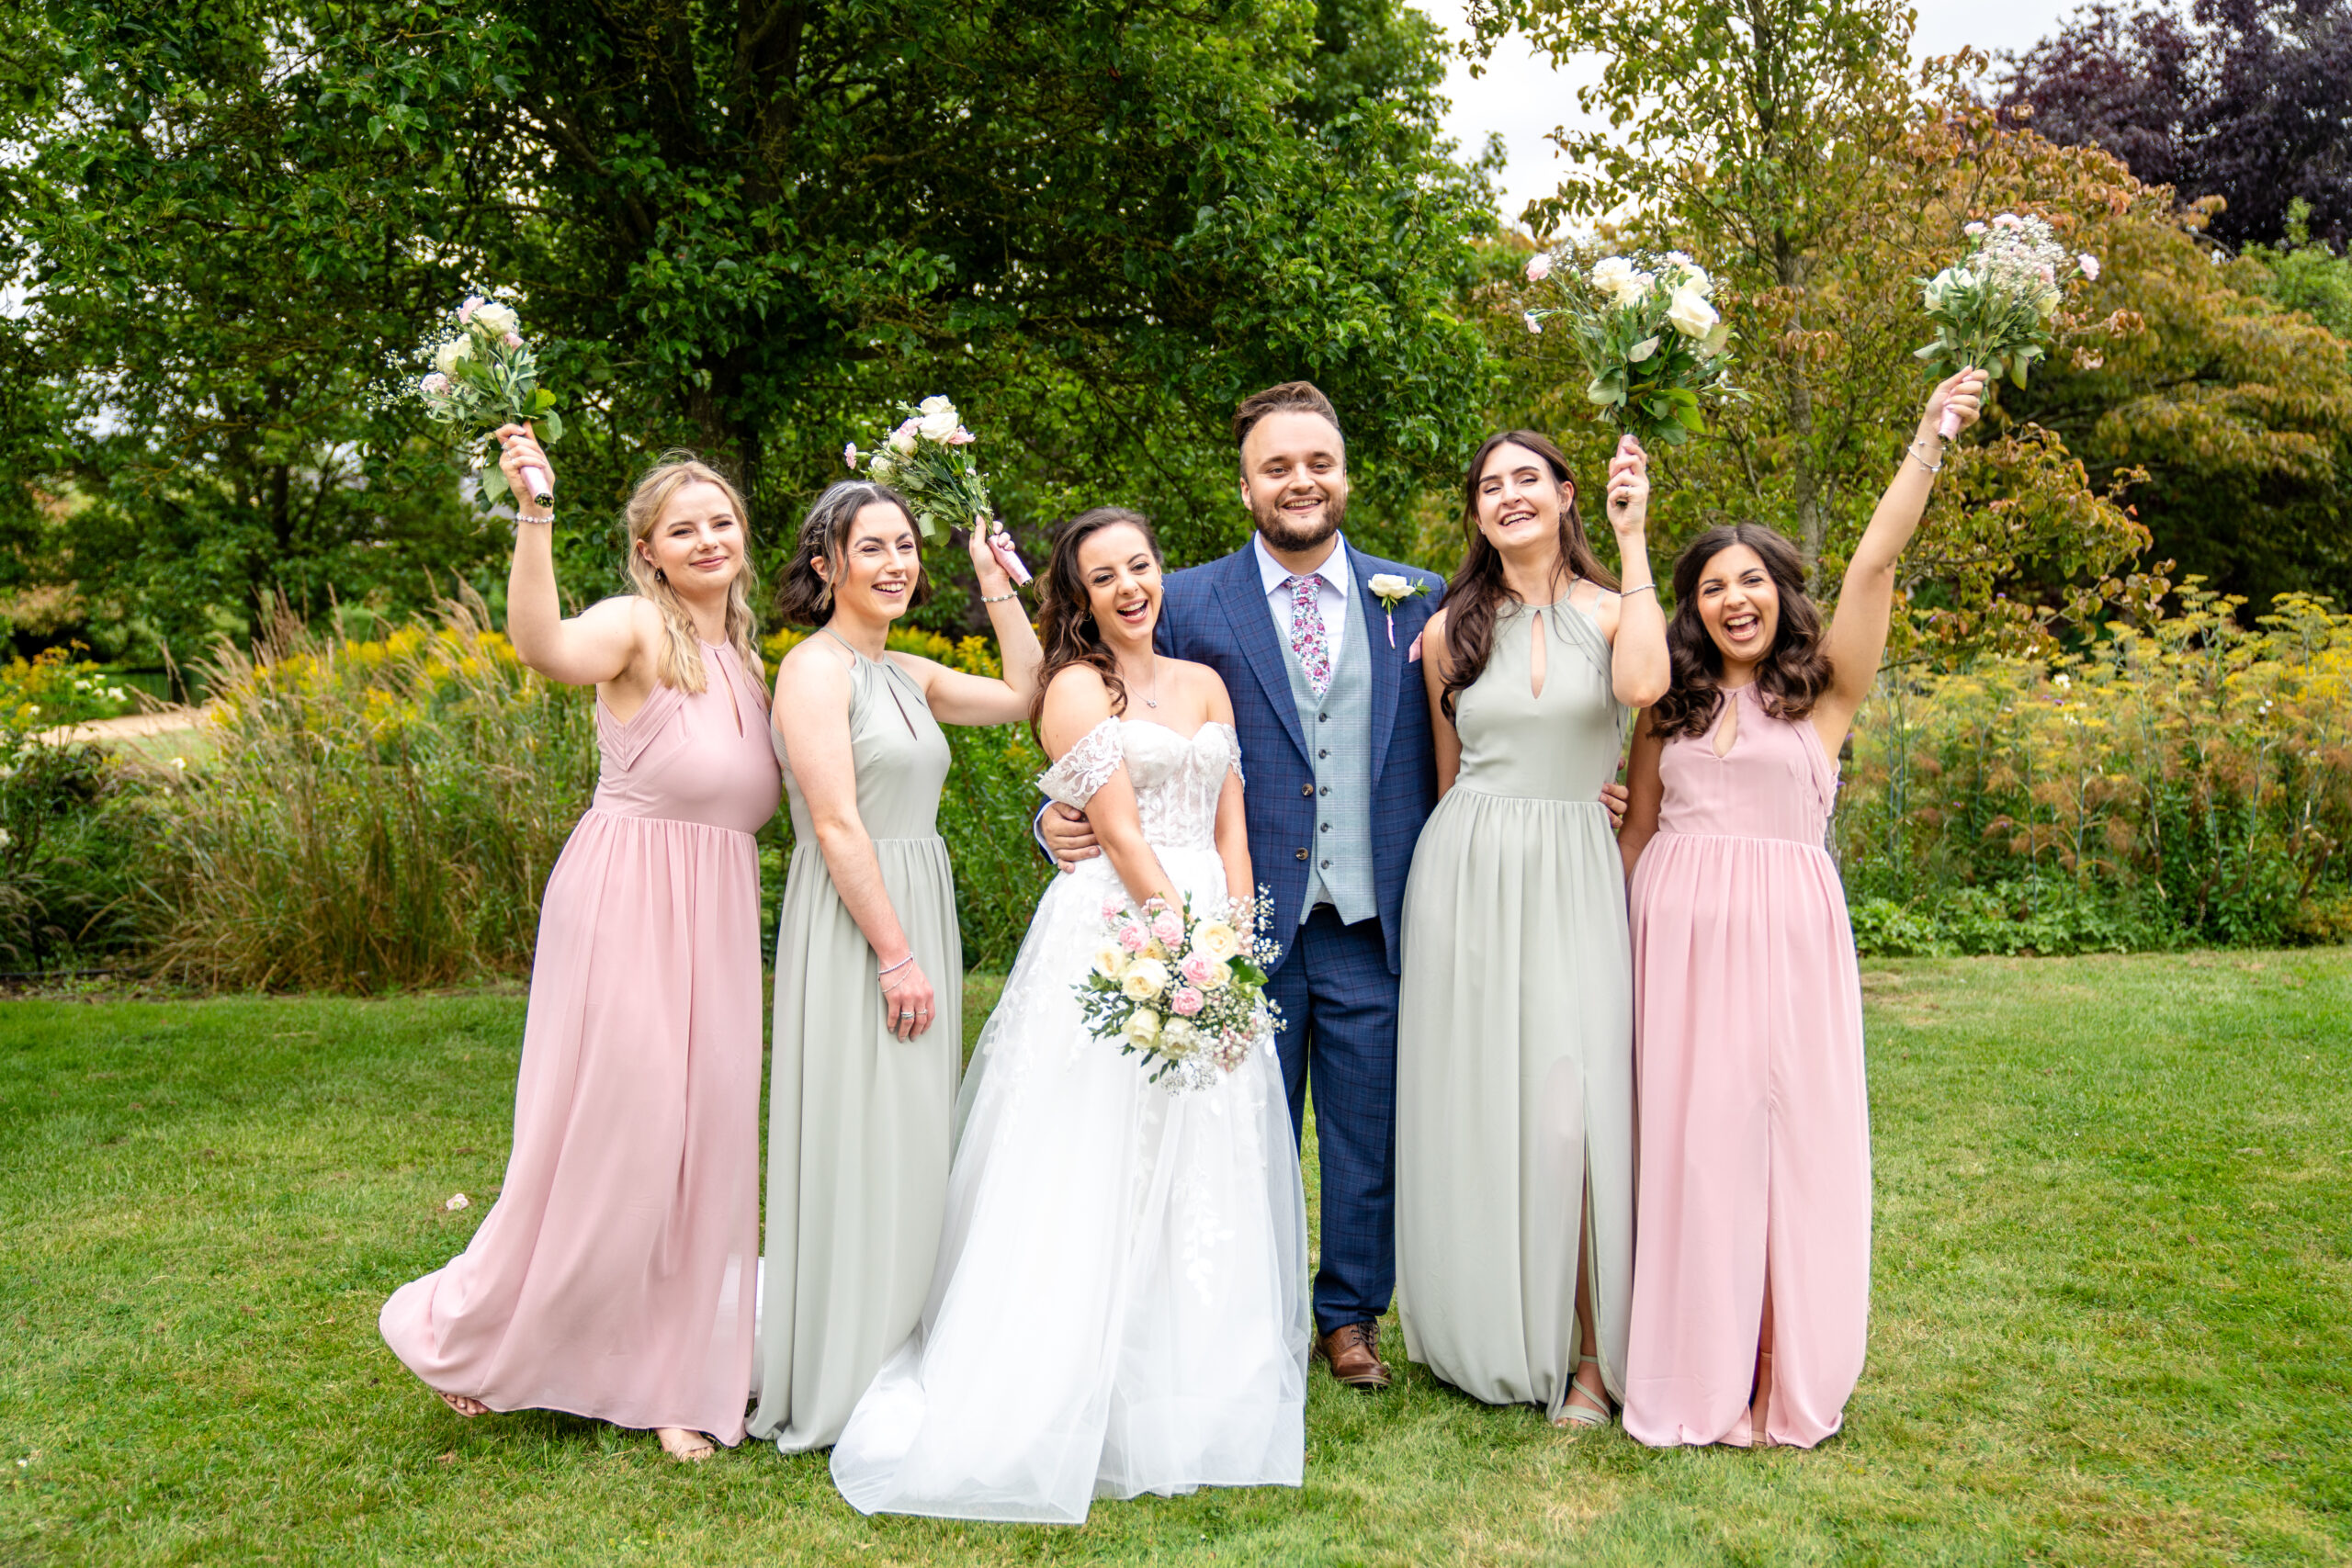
(484,375)
(926,459)
(1650,336)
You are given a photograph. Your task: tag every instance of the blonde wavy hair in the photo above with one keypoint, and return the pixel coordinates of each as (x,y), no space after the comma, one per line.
(682,655)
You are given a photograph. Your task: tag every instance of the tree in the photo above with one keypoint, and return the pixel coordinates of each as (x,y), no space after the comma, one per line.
(1788,147)
(2243,99)
(746,227)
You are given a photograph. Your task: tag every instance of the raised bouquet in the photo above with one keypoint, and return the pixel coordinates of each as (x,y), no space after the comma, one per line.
(484,375)
(1993,308)
(927,458)
(1186,993)
(1650,337)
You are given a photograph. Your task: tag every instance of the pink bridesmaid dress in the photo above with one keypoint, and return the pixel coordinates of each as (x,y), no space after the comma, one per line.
(615,1276)
(1754,1133)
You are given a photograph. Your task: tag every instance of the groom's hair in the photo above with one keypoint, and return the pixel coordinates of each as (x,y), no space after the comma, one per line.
(1302,396)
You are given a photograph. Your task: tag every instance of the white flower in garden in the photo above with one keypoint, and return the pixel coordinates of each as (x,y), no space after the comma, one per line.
(1642,350)
(2089,265)
(1534,322)
(450,355)
(1972,227)
(180,762)
(1143,1026)
(1146,980)
(115,695)
(498,319)
(2007,220)
(1539,267)
(458,1201)
(1692,315)
(33,709)
(6,838)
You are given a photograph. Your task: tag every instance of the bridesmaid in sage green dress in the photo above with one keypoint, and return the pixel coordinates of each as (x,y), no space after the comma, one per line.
(1514,1040)
(869,971)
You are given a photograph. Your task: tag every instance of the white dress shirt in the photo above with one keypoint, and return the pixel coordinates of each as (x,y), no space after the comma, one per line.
(1330,591)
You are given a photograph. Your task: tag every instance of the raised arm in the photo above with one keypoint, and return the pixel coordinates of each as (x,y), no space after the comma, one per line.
(812,698)
(1638,667)
(957,697)
(591,648)
(1436,665)
(1075,703)
(1866,600)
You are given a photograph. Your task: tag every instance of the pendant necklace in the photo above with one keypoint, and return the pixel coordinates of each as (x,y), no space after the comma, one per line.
(1153,701)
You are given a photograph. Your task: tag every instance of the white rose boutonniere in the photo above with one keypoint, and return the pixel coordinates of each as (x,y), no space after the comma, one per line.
(1392,591)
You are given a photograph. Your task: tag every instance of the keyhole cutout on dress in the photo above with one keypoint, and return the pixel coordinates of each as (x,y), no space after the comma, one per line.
(1535,640)
(1728,730)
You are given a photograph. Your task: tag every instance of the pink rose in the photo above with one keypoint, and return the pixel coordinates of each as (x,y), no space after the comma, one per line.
(1539,267)
(1112,905)
(466,311)
(962,437)
(1188,1001)
(1197,970)
(514,339)
(1169,927)
(1133,938)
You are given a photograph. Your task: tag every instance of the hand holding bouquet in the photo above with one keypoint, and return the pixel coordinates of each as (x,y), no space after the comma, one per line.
(925,458)
(1187,995)
(1993,308)
(485,376)
(1651,338)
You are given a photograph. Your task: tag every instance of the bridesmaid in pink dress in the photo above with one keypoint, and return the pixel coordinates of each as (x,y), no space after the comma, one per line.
(614,1277)
(1751,1264)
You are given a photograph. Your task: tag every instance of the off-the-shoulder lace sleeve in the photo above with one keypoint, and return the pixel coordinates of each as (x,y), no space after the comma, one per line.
(1085,767)
(1233,739)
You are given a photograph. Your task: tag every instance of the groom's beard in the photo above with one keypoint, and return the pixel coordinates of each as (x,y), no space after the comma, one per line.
(1284,534)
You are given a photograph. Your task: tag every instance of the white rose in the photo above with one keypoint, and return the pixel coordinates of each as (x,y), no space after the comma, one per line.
(1177,1037)
(450,355)
(1642,350)
(902,440)
(934,404)
(1695,280)
(1382,585)
(498,319)
(1215,940)
(939,426)
(1143,1026)
(1145,980)
(1692,315)
(1109,962)
(1610,273)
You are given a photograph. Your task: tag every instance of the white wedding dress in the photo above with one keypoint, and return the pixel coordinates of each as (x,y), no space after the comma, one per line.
(1120,1301)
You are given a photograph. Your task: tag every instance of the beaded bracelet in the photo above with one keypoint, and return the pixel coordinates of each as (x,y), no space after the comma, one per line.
(1000,598)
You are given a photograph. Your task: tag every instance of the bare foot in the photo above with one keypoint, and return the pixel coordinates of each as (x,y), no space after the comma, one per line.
(462,1406)
(681,1444)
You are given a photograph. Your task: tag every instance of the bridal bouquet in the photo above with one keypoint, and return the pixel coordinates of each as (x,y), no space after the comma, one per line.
(1188,995)
(1992,309)
(925,459)
(1650,337)
(484,375)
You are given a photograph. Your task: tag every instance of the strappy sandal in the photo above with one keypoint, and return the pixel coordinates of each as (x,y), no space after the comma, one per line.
(1583,1418)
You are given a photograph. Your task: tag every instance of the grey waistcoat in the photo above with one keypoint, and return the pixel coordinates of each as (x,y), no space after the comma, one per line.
(1338,746)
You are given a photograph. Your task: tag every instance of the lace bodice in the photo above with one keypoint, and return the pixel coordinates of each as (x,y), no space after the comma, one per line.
(1177,779)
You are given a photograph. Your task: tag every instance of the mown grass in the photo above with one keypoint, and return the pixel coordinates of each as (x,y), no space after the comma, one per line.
(2110,1322)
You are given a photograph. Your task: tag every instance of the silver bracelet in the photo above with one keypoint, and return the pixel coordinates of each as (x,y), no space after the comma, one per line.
(520,519)
(1644,588)
(1913,452)
(1000,598)
(894,968)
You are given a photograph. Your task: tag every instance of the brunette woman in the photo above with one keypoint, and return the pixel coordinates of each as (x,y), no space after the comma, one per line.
(1751,1282)
(613,1276)
(869,971)
(1514,1049)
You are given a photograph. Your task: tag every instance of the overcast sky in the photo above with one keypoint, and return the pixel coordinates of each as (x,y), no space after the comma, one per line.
(1524,99)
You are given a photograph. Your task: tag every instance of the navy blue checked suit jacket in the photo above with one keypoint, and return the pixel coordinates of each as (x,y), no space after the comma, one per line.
(1217,614)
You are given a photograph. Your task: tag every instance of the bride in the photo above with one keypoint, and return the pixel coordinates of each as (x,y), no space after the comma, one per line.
(1119,1302)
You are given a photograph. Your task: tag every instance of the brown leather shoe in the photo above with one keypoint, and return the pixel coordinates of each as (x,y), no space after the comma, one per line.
(1354,1350)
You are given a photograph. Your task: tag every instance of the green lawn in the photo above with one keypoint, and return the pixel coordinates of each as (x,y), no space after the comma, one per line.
(2115,1242)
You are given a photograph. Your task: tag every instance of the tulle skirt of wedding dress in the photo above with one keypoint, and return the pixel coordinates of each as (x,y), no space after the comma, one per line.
(1120,1301)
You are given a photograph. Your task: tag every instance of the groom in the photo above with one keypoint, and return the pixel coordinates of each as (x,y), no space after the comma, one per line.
(1335,737)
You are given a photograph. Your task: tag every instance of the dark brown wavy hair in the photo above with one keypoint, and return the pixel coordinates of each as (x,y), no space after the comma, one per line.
(1065,616)
(1792,675)
(1477,592)
(805,599)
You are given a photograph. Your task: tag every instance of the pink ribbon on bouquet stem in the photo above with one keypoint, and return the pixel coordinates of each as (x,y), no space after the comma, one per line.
(1001,546)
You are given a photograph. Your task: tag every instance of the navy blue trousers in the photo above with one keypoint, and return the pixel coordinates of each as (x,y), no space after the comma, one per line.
(1339,1004)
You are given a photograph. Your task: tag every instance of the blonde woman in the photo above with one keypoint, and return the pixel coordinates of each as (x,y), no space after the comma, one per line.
(615,1276)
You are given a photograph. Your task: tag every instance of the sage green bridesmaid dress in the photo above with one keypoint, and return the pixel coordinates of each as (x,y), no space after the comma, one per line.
(861,1124)
(1514,1040)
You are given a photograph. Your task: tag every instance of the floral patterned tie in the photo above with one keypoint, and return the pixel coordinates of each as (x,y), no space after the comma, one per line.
(1307,635)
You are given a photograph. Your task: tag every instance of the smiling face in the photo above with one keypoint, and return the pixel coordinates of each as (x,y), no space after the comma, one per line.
(880,563)
(1740,607)
(696,542)
(1294,478)
(1519,501)
(1122,580)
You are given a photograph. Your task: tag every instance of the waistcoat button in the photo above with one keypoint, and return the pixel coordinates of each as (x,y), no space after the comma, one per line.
(1306,789)
(1302,854)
